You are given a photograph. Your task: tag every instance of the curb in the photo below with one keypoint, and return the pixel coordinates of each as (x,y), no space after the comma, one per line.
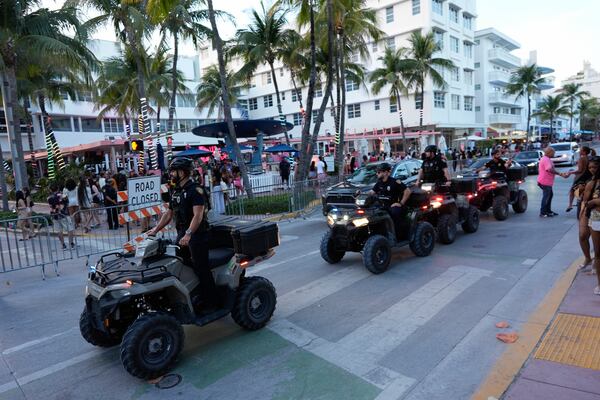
(510,362)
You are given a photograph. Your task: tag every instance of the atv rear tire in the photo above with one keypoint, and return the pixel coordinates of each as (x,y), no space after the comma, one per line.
(377,254)
(328,251)
(446,228)
(471,223)
(255,303)
(93,335)
(424,240)
(520,204)
(151,345)
(500,208)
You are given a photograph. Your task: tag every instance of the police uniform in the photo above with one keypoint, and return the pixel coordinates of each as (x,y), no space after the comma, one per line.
(183,200)
(394,190)
(496,166)
(433,170)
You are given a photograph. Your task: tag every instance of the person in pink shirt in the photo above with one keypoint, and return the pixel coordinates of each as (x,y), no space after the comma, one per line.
(545,181)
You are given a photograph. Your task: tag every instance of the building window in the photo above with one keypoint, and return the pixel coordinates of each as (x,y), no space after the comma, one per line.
(268,101)
(389,14)
(90,125)
(269,78)
(393,107)
(318,91)
(184,100)
(253,82)
(467,21)
(468,76)
(477,108)
(477,65)
(438,36)
(468,47)
(296,95)
(454,14)
(418,101)
(455,99)
(282,95)
(455,73)
(439,99)
(375,47)
(59,123)
(281,72)
(390,43)
(377,105)
(353,111)
(297,119)
(253,104)
(351,85)
(85,95)
(468,103)
(478,87)
(64,95)
(416,7)
(315,115)
(437,6)
(454,44)
(112,125)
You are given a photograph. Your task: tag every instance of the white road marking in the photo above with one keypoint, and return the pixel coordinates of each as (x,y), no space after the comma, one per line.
(35,342)
(287,238)
(48,371)
(255,270)
(530,261)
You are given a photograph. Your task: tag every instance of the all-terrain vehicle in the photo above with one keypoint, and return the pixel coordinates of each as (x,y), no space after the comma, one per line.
(141,301)
(369,228)
(451,207)
(499,190)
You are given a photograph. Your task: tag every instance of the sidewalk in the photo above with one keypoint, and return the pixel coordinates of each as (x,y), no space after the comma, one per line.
(566,362)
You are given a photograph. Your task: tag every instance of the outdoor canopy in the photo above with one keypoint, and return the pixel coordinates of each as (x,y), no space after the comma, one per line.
(471,138)
(193,153)
(280,148)
(244,128)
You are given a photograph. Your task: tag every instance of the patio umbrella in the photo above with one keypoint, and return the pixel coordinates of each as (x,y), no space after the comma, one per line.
(193,153)
(442,144)
(280,148)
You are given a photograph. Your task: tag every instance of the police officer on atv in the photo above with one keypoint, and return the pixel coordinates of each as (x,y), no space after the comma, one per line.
(434,168)
(189,206)
(392,189)
(497,164)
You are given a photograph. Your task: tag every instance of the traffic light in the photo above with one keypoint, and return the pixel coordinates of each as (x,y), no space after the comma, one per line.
(136,145)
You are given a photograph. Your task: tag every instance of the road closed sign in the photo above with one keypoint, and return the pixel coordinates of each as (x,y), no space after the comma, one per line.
(143,192)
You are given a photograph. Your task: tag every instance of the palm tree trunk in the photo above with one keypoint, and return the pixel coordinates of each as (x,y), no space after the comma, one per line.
(279,109)
(340,148)
(404,144)
(422,104)
(3,187)
(296,87)
(170,124)
(9,91)
(551,126)
(528,116)
(571,121)
(226,105)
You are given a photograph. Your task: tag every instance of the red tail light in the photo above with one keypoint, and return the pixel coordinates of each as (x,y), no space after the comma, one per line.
(440,199)
(360,212)
(470,196)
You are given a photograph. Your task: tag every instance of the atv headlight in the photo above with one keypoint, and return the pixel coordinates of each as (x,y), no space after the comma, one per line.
(428,187)
(531,164)
(358,222)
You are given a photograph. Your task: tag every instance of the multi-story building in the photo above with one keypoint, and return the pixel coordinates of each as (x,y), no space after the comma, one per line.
(588,77)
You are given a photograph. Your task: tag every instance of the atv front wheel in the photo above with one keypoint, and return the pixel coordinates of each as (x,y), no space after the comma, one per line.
(377,254)
(255,303)
(520,204)
(328,251)
(471,223)
(500,208)
(93,335)
(446,228)
(151,345)
(424,240)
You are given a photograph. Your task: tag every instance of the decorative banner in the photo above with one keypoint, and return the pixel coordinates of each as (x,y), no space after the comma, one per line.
(51,167)
(141,162)
(147,133)
(58,158)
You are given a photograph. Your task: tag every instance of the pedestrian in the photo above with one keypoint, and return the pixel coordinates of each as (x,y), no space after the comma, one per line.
(312,171)
(59,210)
(217,195)
(365,161)
(321,168)
(591,209)
(545,181)
(284,171)
(582,174)
(97,200)
(584,229)
(454,159)
(70,191)
(23,212)
(110,201)
(84,198)
(352,164)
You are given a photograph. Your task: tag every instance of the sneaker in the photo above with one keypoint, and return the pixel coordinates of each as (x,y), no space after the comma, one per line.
(73,245)
(597,290)
(545,215)
(64,246)
(553,214)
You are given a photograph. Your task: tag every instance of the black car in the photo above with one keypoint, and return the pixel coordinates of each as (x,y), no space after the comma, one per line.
(363,179)
(530,159)
(480,163)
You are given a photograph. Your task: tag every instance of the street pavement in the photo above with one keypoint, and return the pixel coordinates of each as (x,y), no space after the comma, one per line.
(425,329)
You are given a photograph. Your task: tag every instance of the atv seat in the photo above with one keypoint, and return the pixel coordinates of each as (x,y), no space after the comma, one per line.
(220,256)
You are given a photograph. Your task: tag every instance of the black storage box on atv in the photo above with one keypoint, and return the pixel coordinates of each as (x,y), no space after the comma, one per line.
(516,173)
(255,239)
(418,198)
(221,231)
(463,185)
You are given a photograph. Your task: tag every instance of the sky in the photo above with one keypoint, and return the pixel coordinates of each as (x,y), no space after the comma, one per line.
(564,33)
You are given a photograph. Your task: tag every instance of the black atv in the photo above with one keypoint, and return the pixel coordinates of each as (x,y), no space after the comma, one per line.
(497,190)
(450,204)
(370,229)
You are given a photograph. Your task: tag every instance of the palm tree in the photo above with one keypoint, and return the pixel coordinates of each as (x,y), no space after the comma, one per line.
(294,57)
(27,30)
(209,93)
(263,42)
(218,45)
(573,94)
(588,109)
(423,64)
(526,81)
(393,73)
(551,107)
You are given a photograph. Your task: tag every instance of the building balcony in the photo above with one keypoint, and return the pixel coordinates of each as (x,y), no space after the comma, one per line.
(499,78)
(505,119)
(504,58)
(503,99)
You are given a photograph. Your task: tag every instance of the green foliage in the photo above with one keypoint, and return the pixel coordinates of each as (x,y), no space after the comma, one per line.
(270,204)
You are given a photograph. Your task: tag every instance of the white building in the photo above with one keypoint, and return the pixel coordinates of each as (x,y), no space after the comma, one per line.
(589,78)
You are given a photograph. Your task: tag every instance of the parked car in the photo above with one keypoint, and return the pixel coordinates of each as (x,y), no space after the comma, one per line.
(530,159)
(565,153)
(470,171)
(363,179)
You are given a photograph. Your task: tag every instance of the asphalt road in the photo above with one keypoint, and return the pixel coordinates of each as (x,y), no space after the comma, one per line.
(422,330)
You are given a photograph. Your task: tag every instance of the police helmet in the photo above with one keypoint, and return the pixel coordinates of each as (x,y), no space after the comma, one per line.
(432,148)
(181,164)
(384,167)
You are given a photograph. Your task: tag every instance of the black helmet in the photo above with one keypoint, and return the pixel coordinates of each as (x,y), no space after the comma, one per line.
(182,164)
(384,167)
(432,148)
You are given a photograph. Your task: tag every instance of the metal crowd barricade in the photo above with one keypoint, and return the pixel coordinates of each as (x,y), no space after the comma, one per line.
(42,249)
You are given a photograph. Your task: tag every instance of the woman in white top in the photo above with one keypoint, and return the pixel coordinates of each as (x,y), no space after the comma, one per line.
(84,197)
(70,192)
(218,199)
